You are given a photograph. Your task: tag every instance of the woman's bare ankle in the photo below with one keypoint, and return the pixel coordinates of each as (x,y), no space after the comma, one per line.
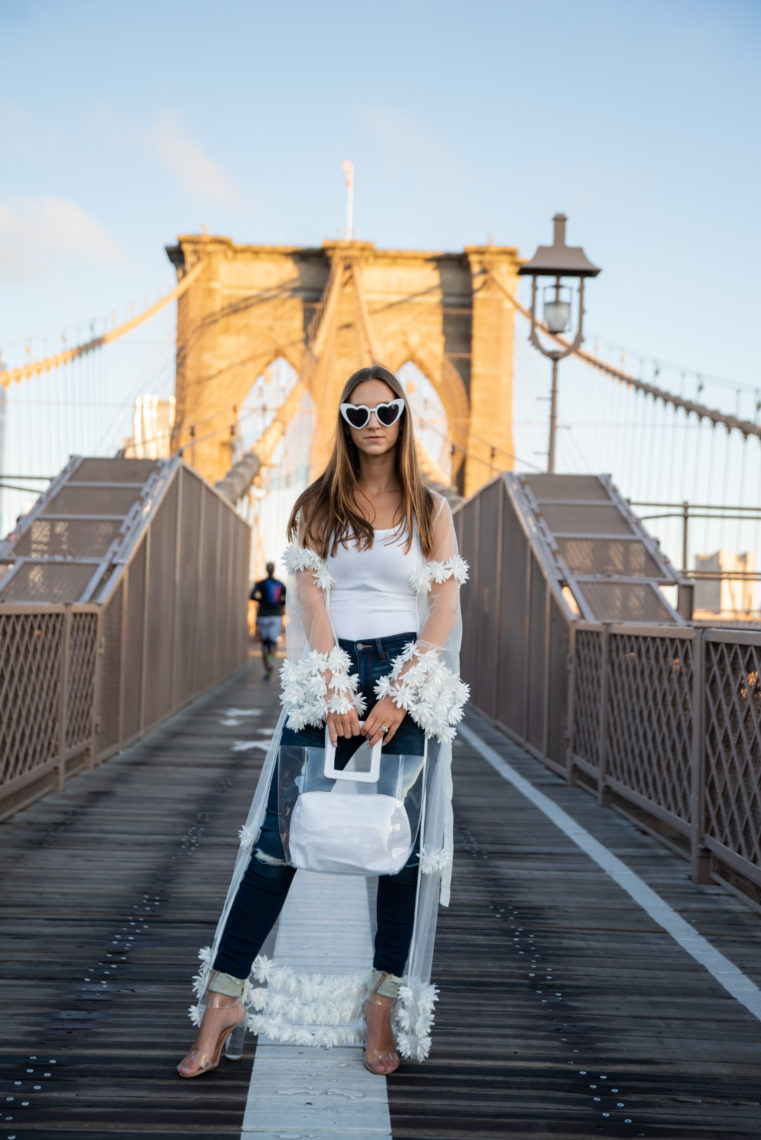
(380,1035)
(216,1000)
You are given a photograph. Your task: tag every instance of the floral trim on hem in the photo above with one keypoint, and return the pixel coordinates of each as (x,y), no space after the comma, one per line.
(429,691)
(247,837)
(317,1036)
(297,557)
(431,571)
(435,862)
(323,1010)
(306,696)
(412,1019)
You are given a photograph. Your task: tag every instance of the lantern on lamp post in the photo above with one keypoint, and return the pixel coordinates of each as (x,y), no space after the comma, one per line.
(557,260)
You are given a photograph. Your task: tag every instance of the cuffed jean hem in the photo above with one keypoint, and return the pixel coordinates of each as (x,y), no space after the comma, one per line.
(389,987)
(223,983)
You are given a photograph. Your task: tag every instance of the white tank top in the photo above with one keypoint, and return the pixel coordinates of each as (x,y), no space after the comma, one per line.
(372,596)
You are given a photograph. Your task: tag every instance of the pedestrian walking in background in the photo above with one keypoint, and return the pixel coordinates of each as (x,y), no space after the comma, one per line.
(269,593)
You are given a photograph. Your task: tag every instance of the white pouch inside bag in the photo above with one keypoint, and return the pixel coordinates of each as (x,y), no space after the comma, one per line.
(361,819)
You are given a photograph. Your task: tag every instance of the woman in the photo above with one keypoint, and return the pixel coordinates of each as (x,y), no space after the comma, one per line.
(374,629)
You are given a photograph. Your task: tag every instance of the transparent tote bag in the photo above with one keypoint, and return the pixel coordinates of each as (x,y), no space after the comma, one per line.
(362,819)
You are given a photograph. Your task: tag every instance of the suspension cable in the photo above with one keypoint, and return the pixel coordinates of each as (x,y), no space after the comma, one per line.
(25,371)
(702,411)
(471,454)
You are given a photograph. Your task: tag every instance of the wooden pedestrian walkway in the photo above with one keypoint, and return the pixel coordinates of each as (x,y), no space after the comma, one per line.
(568,1007)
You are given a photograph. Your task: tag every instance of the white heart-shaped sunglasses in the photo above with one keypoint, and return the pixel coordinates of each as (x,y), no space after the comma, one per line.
(358,415)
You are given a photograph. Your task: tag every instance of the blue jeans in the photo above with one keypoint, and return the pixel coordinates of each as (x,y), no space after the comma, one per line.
(267,878)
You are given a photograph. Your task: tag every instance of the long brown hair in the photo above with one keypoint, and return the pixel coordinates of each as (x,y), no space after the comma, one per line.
(325,514)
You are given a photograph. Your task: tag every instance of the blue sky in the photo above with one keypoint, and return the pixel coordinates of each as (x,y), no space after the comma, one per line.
(122,125)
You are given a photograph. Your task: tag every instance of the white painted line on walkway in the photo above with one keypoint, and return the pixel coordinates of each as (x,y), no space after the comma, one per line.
(302,1093)
(734,981)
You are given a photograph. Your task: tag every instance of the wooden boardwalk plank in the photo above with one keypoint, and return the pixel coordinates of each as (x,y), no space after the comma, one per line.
(552,979)
(612,996)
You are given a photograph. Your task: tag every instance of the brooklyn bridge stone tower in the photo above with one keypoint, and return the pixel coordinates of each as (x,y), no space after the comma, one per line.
(331,310)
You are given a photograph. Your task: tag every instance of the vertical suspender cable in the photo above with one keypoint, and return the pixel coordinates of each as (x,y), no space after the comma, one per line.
(708,497)
(678,442)
(725,497)
(646,477)
(603,438)
(631,398)
(690,491)
(663,491)
(739,497)
(757,529)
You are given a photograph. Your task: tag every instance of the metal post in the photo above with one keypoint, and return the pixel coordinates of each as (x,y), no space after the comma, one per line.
(197,684)
(97,717)
(570,767)
(173,698)
(603,794)
(143,618)
(223,560)
(475,611)
(546,673)
(557,260)
(122,679)
(527,644)
(497,607)
(686,591)
(63,696)
(686,600)
(553,418)
(700,857)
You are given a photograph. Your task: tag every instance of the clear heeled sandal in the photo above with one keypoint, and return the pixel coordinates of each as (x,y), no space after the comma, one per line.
(233,1050)
(382,1062)
(228,1037)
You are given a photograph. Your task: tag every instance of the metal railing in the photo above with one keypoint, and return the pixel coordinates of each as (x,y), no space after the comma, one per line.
(47,686)
(660,721)
(516,630)
(174,619)
(674,728)
(747,613)
(80,682)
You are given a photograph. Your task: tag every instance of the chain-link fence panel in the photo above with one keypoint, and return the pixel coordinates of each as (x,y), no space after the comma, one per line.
(168,618)
(587,695)
(649,739)
(82,652)
(31,645)
(732,806)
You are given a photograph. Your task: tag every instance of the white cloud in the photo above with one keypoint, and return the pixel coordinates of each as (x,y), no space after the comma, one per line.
(198,174)
(36,232)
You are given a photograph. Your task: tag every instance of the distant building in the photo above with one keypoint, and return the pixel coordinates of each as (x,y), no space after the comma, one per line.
(725,594)
(152,423)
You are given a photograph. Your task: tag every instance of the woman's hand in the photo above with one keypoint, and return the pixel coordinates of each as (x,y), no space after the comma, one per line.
(342,724)
(385,712)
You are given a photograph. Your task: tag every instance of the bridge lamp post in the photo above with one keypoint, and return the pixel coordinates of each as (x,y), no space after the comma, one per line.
(557,260)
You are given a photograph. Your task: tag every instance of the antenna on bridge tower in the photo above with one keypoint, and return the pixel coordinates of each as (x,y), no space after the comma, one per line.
(348,169)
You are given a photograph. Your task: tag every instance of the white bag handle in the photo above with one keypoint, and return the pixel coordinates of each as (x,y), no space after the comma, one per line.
(334,773)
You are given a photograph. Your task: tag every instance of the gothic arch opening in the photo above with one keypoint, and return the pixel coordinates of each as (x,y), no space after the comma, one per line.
(278,485)
(432,427)
(260,405)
